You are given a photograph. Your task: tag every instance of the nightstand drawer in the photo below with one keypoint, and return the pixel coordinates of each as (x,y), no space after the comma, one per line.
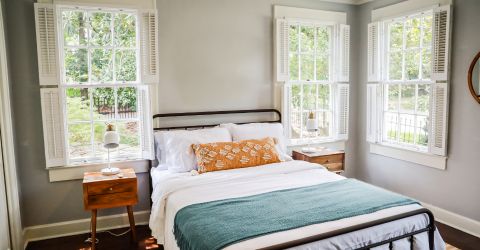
(106,200)
(329,159)
(111,187)
(334,167)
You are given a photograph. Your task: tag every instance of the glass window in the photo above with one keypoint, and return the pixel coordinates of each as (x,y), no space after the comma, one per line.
(100,61)
(407,85)
(310,50)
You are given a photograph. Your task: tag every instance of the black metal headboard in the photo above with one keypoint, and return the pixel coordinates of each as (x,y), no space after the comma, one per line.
(210,113)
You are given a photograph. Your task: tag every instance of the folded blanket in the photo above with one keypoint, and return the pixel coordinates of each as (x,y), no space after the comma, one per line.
(217,224)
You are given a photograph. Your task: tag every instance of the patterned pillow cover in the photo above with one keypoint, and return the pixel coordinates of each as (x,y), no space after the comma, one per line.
(238,154)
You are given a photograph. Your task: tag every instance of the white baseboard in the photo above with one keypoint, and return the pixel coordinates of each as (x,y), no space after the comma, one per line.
(74,227)
(454,220)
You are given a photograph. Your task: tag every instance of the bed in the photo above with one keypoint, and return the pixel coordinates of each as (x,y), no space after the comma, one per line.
(406,226)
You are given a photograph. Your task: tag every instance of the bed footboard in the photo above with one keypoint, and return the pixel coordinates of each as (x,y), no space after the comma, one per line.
(430,229)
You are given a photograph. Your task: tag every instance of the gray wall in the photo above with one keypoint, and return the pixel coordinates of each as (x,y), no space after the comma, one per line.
(457,188)
(213,55)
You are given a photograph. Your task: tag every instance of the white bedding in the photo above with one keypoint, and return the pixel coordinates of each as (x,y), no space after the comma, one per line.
(173,191)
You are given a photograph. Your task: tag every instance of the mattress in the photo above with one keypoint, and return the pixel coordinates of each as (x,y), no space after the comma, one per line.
(173,191)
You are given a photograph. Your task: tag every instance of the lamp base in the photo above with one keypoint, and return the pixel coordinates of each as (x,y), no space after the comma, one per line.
(110,171)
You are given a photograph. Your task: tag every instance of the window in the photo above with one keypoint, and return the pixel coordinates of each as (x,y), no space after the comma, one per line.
(310,48)
(99,58)
(312,63)
(98,72)
(407,93)
(407,86)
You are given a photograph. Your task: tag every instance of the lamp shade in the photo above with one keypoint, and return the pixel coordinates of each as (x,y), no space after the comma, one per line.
(111,139)
(312,124)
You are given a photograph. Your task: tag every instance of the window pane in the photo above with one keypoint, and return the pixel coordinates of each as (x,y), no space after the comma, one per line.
(407,128)
(393,93)
(407,99)
(103,104)
(322,68)
(426,63)
(101,32)
(295,100)
(412,64)
(102,70)
(307,39)
(76,66)
(423,99)
(99,129)
(78,104)
(413,33)
(307,67)
(396,36)
(422,131)
(391,126)
(124,28)
(323,96)
(395,66)
(293,38)
(125,65)
(309,97)
(293,64)
(127,102)
(323,40)
(427,31)
(129,138)
(79,140)
(74,28)
(324,119)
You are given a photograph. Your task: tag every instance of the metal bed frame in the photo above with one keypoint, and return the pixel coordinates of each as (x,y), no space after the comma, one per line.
(430,228)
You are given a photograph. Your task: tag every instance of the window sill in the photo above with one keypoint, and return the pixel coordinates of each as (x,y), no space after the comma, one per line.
(76,172)
(425,159)
(331,144)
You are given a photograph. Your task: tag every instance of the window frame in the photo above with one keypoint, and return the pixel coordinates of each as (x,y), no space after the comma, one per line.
(299,23)
(64,85)
(385,81)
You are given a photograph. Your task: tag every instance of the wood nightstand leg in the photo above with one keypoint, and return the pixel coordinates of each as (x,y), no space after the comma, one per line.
(132,223)
(94,228)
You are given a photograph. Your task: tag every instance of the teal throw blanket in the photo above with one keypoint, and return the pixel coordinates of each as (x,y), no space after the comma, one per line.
(217,224)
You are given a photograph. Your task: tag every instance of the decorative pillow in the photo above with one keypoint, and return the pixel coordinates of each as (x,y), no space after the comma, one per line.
(178,146)
(258,131)
(239,154)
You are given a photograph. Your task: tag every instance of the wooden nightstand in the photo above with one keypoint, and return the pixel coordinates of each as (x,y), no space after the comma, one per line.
(100,191)
(333,160)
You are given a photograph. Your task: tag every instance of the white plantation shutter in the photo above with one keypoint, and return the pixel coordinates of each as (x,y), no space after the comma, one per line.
(441,42)
(46,43)
(373,100)
(373,52)
(53,127)
(281,48)
(439,119)
(342,108)
(344,53)
(146,136)
(149,46)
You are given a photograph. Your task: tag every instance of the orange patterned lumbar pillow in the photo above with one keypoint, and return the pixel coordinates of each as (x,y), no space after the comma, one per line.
(240,154)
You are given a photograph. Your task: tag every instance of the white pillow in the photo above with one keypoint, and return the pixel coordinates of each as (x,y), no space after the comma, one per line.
(259,131)
(178,146)
(159,138)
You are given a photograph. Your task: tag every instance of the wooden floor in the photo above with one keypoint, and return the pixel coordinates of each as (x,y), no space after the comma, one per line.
(456,239)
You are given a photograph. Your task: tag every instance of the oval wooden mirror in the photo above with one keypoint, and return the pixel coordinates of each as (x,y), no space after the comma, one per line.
(474,78)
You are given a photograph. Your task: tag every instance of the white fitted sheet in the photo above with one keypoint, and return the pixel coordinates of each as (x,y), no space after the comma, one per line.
(173,191)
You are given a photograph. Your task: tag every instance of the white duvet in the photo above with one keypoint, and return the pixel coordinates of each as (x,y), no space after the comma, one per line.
(173,191)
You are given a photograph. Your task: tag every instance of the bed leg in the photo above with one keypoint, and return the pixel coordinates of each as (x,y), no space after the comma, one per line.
(431,231)
(411,242)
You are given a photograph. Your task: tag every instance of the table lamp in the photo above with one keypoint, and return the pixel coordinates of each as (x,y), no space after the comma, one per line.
(111,140)
(311,126)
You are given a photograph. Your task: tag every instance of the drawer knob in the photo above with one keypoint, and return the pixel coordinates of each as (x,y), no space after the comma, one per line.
(327,160)
(111,189)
